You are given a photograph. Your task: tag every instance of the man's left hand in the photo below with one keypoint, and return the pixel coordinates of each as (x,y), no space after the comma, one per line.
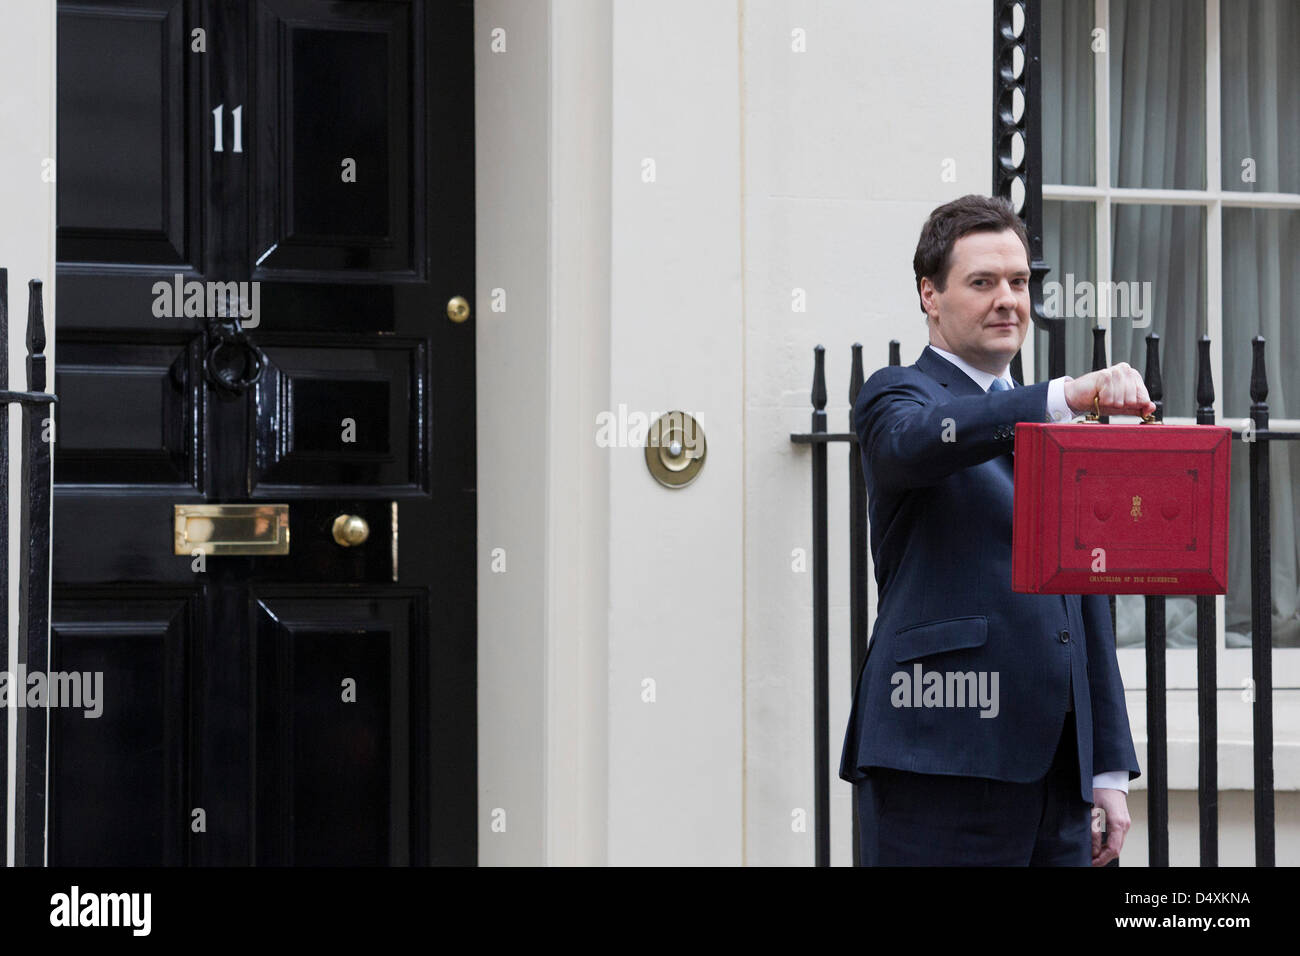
(1114,803)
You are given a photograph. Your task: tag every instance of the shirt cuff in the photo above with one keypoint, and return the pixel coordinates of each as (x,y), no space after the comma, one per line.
(1057,409)
(1111,780)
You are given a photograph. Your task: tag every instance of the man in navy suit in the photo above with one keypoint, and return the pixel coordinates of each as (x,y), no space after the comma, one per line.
(985,724)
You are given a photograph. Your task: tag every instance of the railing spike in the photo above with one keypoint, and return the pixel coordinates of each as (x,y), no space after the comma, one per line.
(1204,380)
(855,375)
(1258,374)
(1155,384)
(1099,362)
(819,378)
(1098,348)
(35,337)
(4,329)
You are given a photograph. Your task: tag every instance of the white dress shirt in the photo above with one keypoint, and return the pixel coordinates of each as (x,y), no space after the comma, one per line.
(1057,411)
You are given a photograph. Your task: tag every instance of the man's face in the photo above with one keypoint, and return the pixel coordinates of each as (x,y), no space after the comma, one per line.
(983,313)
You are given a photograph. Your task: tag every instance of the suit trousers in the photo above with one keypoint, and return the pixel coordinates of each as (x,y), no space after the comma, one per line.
(921,819)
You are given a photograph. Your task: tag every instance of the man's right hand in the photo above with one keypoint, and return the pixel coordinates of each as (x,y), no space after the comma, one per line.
(1119,390)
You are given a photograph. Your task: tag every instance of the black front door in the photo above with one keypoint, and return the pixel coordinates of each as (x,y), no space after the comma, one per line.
(264,210)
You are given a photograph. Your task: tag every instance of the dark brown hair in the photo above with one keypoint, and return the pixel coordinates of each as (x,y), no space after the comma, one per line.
(949,223)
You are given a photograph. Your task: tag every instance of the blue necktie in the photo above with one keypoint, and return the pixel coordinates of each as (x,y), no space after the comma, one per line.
(1002,385)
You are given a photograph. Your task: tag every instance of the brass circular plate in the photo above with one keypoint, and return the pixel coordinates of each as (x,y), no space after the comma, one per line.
(458,309)
(675,449)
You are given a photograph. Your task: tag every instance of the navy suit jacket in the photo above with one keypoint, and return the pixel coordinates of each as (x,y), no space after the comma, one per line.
(936,453)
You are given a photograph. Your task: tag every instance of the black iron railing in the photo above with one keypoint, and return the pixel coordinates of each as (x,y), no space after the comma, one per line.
(1155,767)
(34,574)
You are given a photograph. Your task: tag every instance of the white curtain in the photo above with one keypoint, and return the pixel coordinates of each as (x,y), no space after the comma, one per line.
(1261,286)
(1158,140)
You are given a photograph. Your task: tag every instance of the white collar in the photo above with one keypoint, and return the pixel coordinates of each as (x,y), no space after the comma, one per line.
(980,377)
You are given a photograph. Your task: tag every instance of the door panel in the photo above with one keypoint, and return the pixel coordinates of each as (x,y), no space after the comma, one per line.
(117,780)
(337,703)
(336,90)
(239,745)
(349,415)
(123,76)
(129,414)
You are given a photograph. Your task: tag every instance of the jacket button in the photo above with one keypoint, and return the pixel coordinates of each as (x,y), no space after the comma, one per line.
(1065,635)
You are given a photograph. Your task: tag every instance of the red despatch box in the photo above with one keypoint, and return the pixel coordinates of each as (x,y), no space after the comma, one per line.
(1152,497)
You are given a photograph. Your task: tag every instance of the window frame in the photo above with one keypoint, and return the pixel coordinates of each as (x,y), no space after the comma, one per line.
(1233,664)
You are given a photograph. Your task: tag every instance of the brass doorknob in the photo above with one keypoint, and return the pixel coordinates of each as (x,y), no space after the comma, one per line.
(350,530)
(458,309)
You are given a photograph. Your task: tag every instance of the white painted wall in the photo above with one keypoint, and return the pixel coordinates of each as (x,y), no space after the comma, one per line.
(845,150)
(512,136)
(611,579)
(578,474)
(676,573)
(1236,827)
(27,132)
(542,377)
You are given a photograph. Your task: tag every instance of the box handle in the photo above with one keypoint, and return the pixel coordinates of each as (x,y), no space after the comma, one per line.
(1094,416)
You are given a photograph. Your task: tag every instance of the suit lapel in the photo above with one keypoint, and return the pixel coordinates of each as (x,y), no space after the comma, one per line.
(946,374)
(958,383)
